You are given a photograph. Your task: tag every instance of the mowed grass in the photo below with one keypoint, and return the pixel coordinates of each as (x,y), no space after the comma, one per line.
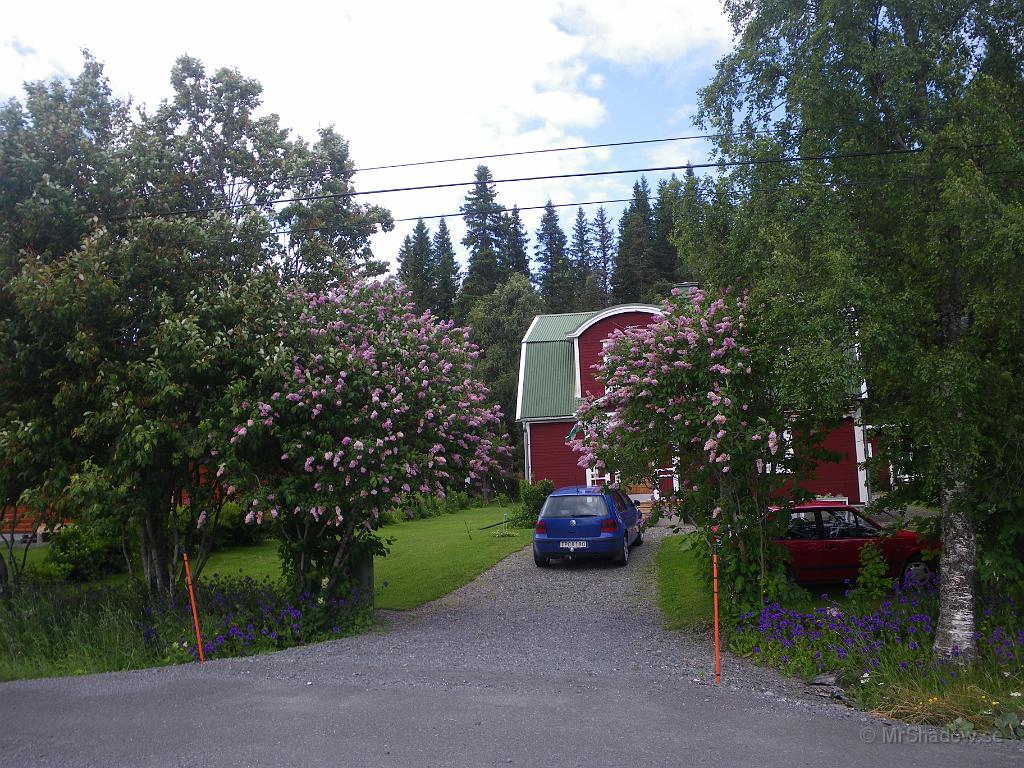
(430,558)
(683,595)
(427,558)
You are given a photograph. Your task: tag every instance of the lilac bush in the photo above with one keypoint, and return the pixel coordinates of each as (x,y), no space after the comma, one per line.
(362,403)
(692,391)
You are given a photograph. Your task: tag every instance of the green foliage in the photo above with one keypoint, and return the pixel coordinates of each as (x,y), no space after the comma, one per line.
(446,275)
(497,324)
(557,280)
(56,629)
(123,331)
(484,238)
(881,654)
(603,254)
(514,258)
(233,531)
(531,498)
(84,552)
(417,268)
(918,240)
(633,275)
(873,580)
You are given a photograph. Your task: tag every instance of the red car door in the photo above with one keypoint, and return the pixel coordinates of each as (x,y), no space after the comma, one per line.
(845,533)
(805,544)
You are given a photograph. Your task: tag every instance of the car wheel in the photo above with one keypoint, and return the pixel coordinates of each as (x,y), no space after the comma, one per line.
(622,557)
(916,573)
(540,561)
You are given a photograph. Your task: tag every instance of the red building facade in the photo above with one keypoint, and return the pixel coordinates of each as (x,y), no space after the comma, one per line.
(556,370)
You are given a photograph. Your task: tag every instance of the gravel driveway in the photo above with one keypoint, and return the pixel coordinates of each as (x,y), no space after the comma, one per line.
(567,664)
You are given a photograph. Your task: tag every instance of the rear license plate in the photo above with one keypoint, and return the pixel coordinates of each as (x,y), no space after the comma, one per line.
(571,545)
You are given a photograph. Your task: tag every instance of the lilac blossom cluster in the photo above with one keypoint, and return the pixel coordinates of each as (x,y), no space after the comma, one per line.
(374,402)
(682,389)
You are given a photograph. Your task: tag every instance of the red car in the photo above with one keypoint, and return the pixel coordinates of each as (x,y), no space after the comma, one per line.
(825,539)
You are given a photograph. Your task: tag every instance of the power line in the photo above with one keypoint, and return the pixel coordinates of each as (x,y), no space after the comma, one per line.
(520,153)
(636,142)
(521,208)
(550,177)
(876,181)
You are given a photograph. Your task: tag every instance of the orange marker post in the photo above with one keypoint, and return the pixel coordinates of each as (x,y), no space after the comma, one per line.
(714,579)
(195,613)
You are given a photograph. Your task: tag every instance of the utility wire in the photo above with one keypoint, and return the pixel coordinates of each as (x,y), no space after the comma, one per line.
(521,153)
(636,142)
(878,181)
(549,177)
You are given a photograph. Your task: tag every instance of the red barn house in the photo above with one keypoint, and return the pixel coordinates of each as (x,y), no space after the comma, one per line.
(555,372)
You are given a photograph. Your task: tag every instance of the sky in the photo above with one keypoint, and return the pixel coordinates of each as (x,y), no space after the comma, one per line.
(412,81)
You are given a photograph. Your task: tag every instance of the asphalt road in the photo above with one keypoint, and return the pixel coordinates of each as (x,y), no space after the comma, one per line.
(525,666)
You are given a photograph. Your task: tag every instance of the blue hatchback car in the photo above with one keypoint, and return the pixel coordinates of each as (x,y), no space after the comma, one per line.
(586,521)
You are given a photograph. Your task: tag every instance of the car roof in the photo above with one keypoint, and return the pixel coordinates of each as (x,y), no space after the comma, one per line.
(581,490)
(810,506)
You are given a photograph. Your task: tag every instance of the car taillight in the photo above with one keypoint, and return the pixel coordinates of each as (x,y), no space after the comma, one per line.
(608,525)
(540,527)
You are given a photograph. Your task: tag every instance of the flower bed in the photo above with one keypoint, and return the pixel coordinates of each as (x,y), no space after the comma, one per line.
(58,629)
(882,656)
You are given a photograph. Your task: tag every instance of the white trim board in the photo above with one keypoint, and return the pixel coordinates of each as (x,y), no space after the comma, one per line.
(621,309)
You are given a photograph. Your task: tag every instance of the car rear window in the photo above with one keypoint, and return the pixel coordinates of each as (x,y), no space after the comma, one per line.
(574,506)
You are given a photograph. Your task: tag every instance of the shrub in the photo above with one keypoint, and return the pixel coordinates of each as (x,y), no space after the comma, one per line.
(233,531)
(532,496)
(873,581)
(84,552)
(420,506)
(456,501)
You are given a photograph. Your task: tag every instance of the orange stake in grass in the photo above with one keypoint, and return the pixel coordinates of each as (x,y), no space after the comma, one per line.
(195,613)
(714,579)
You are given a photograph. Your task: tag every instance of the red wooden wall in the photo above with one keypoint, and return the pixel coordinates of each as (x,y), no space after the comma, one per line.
(591,344)
(551,457)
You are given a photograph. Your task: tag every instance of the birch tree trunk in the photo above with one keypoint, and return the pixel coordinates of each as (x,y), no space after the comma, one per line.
(954,634)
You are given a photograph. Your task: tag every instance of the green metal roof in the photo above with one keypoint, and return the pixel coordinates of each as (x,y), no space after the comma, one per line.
(549,380)
(557,327)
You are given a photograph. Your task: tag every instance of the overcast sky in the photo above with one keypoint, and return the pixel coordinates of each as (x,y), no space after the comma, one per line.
(409,81)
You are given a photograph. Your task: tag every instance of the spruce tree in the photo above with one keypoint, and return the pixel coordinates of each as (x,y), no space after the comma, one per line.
(513,255)
(581,249)
(665,257)
(415,266)
(446,273)
(581,255)
(633,274)
(483,239)
(690,234)
(554,272)
(603,252)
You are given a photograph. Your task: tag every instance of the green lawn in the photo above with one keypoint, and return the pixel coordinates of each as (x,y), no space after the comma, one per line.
(428,558)
(683,594)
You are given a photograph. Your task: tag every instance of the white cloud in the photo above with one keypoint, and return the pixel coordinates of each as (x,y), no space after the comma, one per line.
(644,32)
(401,81)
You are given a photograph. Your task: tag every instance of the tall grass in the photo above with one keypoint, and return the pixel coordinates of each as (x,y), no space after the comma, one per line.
(55,629)
(48,631)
